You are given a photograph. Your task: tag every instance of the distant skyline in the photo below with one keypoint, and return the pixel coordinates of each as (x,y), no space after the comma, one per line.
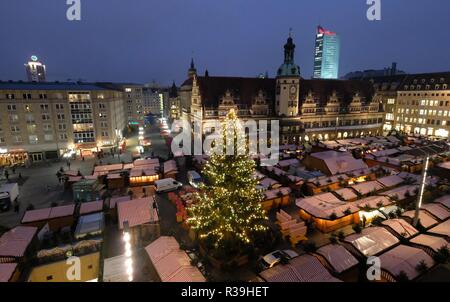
(148,40)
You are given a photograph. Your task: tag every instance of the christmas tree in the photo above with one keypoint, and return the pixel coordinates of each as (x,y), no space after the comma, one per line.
(228,213)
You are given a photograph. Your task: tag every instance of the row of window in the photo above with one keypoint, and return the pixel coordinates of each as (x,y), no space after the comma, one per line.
(27,107)
(33,139)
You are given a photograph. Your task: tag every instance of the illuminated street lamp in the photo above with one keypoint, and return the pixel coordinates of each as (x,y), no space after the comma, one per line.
(128,252)
(422,189)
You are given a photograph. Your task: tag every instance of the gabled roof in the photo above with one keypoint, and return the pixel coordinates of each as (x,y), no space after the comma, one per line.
(338,257)
(372,240)
(15,242)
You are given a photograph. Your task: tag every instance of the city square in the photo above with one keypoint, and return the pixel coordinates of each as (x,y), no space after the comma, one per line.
(314,171)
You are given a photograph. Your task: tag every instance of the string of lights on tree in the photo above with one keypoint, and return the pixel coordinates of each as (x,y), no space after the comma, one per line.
(228,209)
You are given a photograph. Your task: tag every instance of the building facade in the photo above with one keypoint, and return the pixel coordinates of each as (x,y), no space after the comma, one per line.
(422,106)
(326,56)
(35,70)
(43,121)
(307,110)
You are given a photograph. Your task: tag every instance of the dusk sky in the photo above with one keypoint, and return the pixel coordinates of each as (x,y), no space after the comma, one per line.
(145,40)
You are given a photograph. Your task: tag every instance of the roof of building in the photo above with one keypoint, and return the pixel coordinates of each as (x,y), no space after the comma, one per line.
(6,271)
(338,257)
(171,263)
(401,192)
(305,268)
(346,193)
(48,213)
(137,212)
(390,181)
(426,220)
(114,269)
(90,224)
(444,200)
(367,187)
(91,207)
(401,227)
(115,200)
(15,242)
(431,241)
(372,240)
(70,86)
(441,229)
(437,210)
(324,205)
(404,258)
(339,162)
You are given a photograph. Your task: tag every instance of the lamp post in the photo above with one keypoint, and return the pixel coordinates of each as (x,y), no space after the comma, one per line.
(421,191)
(128,252)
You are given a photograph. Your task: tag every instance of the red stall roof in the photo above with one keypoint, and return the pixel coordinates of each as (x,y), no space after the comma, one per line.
(15,242)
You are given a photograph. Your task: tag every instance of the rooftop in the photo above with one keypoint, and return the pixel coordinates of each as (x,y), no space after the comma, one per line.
(137,212)
(372,241)
(15,242)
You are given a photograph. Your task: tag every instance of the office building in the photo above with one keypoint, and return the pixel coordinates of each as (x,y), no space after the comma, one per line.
(326,57)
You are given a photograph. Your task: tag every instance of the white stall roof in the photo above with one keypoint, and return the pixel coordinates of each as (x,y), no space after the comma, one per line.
(433,242)
(404,258)
(372,241)
(426,220)
(346,194)
(114,269)
(367,187)
(390,181)
(401,227)
(323,205)
(305,268)
(338,257)
(437,210)
(444,200)
(400,192)
(442,229)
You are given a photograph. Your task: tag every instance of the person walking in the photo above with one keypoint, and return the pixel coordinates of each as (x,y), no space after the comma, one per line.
(7,174)
(68,164)
(14,170)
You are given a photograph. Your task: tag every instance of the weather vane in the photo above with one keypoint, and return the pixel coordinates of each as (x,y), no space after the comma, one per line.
(290,32)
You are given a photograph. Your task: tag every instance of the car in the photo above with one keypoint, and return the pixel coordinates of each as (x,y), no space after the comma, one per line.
(167,185)
(275,257)
(194,178)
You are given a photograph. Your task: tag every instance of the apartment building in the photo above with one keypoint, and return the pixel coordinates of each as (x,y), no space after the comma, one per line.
(43,121)
(423,105)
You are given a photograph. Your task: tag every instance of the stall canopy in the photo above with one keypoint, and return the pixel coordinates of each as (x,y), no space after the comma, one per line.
(404,258)
(338,257)
(91,225)
(171,263)
(15,242)
(372,241)
(305,268)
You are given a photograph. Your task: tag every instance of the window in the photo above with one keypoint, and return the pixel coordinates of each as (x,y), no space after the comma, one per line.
(59,106)
(13,118)
(17,139)
(391,101)
(26,96)
(45,116)
(15,129)
(12,107)
(10,96)
(48,137)
(61,127)
(44,107)
(47,127)
(61,116)
(2,140)
(101,105)
(389,116)
(105,133)
(33,139)
(104,124)
(63,136)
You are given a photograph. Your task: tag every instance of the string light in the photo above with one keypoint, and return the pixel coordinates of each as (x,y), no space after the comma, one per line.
(229,208)
(128,252)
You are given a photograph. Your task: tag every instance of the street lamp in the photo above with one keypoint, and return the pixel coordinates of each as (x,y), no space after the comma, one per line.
(128,252)
(422,189)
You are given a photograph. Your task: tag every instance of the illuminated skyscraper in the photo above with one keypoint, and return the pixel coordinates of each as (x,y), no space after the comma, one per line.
(326,58)
(35,70)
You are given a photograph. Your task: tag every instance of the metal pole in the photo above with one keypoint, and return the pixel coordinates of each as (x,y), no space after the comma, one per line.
(422,189)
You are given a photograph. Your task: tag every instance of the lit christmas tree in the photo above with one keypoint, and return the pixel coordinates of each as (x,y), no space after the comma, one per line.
(228,212)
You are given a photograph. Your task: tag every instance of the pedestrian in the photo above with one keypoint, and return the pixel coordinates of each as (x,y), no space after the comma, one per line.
(82,158)
(7,174)
(16,207)
(48,188)
(14,170)
(68,164)
(20,176)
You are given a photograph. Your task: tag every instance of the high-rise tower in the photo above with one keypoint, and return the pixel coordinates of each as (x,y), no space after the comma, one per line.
(326,57)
